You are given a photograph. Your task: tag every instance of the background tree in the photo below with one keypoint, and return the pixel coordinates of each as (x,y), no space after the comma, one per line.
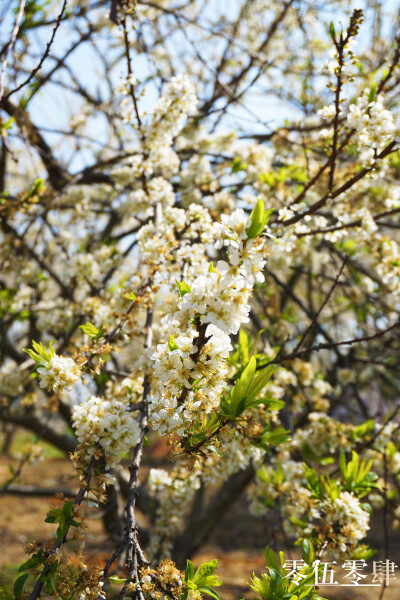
(199,224)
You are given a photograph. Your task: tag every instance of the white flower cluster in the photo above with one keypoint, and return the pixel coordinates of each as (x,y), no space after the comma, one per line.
(344,67)
(53,316)
(374,126)
(108,425)
(340,521)
(327,113)
(176,242)
(257,159)
(346,513)
(204,378)
(157,241)
(142,202)
(58,373)
(388,265)
(12,379)
(191,365)
(264,490)
(323,435)
(221,297)
(236,455)
(89,266)
(176,103)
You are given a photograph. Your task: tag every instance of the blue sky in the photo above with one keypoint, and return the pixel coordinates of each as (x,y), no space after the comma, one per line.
(50,106)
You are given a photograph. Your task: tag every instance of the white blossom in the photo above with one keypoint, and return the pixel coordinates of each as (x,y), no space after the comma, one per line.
(110,425)
(58,373)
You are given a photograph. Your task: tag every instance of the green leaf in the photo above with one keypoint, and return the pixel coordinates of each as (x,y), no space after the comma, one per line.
(102,378)
(36,188)
(207,568)
(390,449)
(61,531)
(260,381)
(372,93)
(54,516)
(19,585)
(276,582)
(276,437)
(331,486)
(50,584)
(258,219)
(238,165)
(172,345)
(33,355)
(313,482)
(209,592)
(363,552)
(204,575)
(183,288)
(357,475)
(40,352)
(131,296)
(116,580)
(34,561)
(92,331)
(50,519)
(7,124)
(298,523)
(67,508)
(247,376)
(307,552)
(189,573)
(73,523)
(237,397)
(271,559)
(268,401)
(243,347)
(332,31)
(268,178)
(262,586)
(212,422)
(367,507)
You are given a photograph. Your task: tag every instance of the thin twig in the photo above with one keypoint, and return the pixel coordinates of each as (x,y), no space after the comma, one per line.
(391,147)
(45,54)
(31,490)
(135,556)
(321,308)
(14,36)
(319,347)
(340,50)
